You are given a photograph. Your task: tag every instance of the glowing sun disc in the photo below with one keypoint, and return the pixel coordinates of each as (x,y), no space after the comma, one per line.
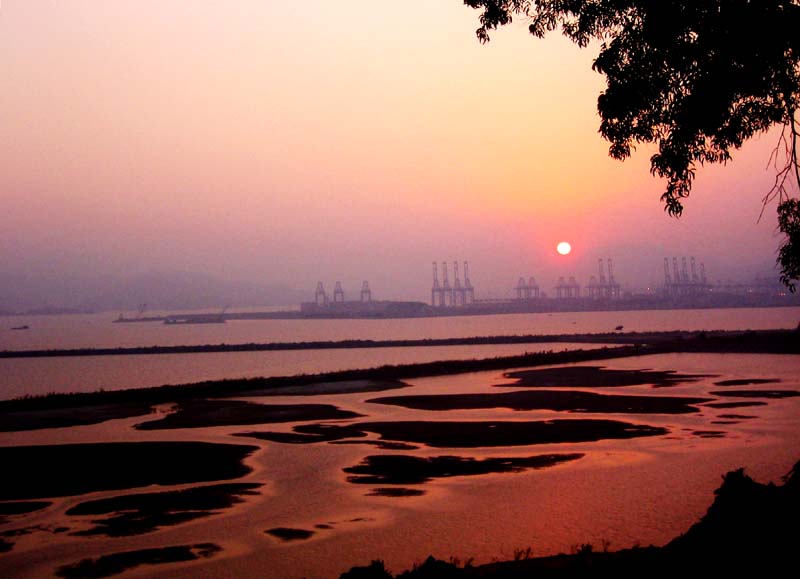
(563,248)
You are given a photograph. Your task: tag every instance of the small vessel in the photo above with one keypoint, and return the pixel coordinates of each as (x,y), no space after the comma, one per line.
(140,317)
(217,318)
(618,328)
(20,327)
(196,319)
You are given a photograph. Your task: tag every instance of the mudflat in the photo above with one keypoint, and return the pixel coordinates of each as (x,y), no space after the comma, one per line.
(143,513)
(398,469)
(115,563)
(34,472)
(204,413)
(36,419)
(559,400)
(756,393)
(469,434)
(598,376)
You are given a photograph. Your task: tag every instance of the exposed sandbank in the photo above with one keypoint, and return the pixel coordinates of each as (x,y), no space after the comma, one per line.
(395,492)
(469,434)
(63,417)
(147,512)
(34,472)
(607,338)
(564,401)
(107,565)
(383,445)
(709,433)
(597,376)
(746,381)
(734,404)
(205,413)
(398,469)
(20,508)
(712,339)
(757,393)
(287,534)
(327,388)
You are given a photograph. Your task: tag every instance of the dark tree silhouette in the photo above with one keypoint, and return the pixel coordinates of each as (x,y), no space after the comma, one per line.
(695,77)
(789,254)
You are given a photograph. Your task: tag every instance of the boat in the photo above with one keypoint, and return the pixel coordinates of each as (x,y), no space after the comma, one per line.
(20,327)
(140,317)
(195,319)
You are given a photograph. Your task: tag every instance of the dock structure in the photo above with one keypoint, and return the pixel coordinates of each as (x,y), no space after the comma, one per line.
(685,281)
(320,297)
(527,290)
(366,293)
(468,287)
(437,297)
(602,286)
(567,289)
(459,294)
(338,293)
(447,289)
(364,307)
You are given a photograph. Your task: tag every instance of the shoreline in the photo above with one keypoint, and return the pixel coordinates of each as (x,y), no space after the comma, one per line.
(764,342)
(614,337)
(627,338)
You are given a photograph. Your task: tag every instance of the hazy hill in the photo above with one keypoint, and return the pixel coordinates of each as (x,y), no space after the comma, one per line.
(157,289)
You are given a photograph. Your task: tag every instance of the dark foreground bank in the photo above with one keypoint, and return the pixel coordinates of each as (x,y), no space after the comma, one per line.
(751,529)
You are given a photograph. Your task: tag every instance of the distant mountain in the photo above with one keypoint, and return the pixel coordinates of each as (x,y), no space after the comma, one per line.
(188,290)
(158,289)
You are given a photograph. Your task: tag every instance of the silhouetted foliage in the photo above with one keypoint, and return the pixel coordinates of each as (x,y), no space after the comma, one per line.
(375,570)
(789,255)
(695,77)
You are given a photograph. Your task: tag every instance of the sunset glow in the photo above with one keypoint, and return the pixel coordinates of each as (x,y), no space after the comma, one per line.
(563,248)
(289,287)
(225,137)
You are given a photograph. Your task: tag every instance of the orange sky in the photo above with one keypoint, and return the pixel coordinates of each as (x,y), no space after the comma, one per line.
(296,141)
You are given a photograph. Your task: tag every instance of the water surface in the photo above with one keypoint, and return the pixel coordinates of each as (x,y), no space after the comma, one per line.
(640,490)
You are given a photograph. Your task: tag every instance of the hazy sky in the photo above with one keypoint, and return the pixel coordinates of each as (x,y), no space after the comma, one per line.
(349,139)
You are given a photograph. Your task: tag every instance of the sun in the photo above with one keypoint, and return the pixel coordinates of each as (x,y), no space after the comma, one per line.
(563,248)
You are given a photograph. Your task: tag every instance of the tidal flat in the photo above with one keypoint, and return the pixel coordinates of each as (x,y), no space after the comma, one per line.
(470,459)
(116,563)
(452,434)
(59,470)
(37,419)
(398,469)
(564,401)
(136,514)
(598,376)
(205,413)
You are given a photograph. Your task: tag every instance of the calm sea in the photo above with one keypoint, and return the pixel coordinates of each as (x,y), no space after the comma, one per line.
(38,376)
(630,491)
